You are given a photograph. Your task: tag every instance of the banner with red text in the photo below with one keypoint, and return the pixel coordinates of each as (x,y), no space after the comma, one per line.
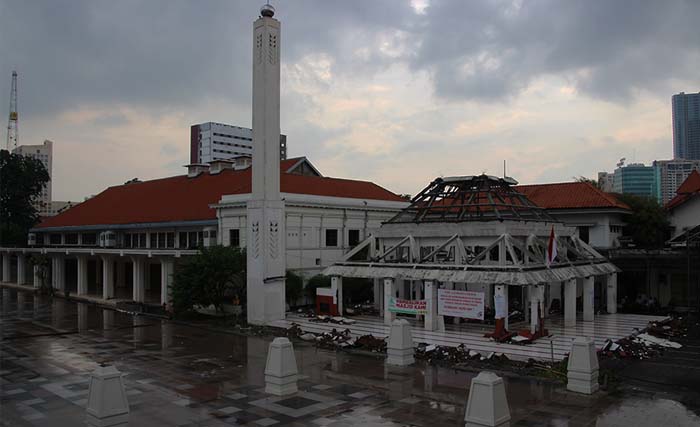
(407,306)
(465,304)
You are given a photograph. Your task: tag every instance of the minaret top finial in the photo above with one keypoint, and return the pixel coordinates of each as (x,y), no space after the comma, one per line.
(267,10)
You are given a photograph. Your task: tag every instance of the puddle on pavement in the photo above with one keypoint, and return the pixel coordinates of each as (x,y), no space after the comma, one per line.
(649,412)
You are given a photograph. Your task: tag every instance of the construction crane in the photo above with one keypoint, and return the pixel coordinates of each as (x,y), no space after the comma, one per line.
(13,122)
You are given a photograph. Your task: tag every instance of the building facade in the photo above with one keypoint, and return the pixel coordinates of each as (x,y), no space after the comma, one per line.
(636,179)
(686,126)
(124,243)
(217,141)
(670,174)
(43,153)
(597,217)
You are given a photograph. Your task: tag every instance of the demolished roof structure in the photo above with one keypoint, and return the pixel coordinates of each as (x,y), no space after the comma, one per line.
(472,229)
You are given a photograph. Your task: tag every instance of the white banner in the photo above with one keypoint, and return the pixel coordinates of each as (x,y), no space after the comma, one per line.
(465,304)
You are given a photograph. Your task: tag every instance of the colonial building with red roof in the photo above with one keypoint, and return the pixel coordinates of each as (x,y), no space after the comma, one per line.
(684,209)
(129,236)
(598,216)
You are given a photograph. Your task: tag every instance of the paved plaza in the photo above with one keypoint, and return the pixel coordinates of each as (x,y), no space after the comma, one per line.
(178,375)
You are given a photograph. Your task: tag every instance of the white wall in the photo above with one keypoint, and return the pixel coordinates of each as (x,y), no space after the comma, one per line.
(686,215)
(307,219)
(604,229)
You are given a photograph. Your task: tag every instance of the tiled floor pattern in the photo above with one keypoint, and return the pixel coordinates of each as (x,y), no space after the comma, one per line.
(182,376)
(613,326)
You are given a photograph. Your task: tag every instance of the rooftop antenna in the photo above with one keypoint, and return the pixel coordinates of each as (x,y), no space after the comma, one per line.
(504,168)
(13,121)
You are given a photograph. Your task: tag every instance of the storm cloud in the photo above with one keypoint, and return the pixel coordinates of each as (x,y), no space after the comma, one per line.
(396,82)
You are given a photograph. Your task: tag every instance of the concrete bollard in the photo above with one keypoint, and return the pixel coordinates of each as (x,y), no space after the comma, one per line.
(107,404)
(583,367)
(487,404)
(281,368)
(399,350)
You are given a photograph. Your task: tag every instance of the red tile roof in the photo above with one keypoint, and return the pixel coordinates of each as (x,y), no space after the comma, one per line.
(687,190)
(180,198)
(570,195)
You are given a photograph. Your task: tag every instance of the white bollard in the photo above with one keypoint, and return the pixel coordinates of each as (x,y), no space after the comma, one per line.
(399,349)
(583,367)
(487,404)
(107,404)
(281,368)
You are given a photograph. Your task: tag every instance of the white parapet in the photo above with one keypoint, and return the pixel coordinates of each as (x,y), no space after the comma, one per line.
(583,367)
(107,404)
(281,369)
(487,404)
(399,349)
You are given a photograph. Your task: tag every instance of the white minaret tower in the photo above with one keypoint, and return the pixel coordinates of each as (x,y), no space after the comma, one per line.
(266,234)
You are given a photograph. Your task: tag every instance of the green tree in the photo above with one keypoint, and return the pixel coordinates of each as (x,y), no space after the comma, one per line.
(318,281)
(42,263)
(582,178)
(216,274)
(648,225)
(21,180)
(294,285)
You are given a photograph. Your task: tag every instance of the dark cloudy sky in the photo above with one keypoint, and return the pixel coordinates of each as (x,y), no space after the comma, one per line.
(389,91)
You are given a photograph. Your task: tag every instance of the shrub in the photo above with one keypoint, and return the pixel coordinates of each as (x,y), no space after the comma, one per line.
(215,274)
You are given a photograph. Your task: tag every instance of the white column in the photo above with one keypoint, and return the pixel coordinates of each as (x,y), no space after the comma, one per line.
(138,288)
(82,275)
(389,293)
(37,276)
(58,275)
(107,277)
(612,293)
(588,296)
(337,287)
(378,294)
(21,269)
(6,277)
(167,268)
(501,291)
(431,314)
(265,234)
(534,305)
(570,302)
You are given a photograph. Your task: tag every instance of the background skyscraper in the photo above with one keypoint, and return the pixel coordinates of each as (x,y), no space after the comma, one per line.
(686,126)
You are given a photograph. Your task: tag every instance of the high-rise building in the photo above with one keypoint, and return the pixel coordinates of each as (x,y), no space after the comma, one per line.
(217,141)
(636,179)
(670,174)
(686,126)
(44,153)
(605,181)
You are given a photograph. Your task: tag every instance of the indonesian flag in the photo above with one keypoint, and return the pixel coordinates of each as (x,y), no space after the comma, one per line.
(551,248)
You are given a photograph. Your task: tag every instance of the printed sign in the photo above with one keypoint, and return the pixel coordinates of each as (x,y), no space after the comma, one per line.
(407,306)
(465,304)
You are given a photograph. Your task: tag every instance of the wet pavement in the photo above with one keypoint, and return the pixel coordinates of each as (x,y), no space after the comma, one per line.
(178,375)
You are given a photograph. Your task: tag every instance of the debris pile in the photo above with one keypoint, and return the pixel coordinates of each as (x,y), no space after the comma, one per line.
(669,328)
(432,353)
(336,339)
(371,343)
(338,320)
(361,310)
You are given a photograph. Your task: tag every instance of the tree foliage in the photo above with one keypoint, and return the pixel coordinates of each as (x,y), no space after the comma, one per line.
(582,178)
(294,285)
(216,275)
(21,180)
(42,262)
(648,225)
(317,281)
